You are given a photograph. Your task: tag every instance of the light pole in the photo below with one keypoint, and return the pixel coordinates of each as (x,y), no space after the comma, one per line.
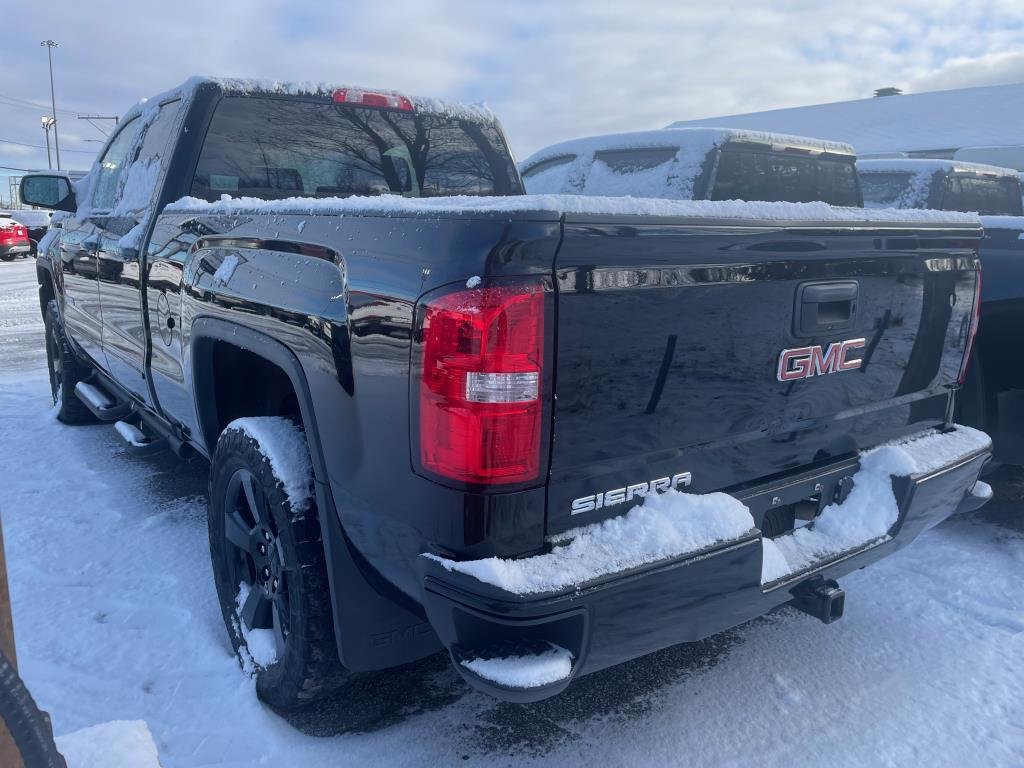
(47,124)
(50,45)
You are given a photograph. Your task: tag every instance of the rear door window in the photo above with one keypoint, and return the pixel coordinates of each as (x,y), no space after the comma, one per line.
(634,172)
(550,176)
(274,148)
(745,174)
(888,189)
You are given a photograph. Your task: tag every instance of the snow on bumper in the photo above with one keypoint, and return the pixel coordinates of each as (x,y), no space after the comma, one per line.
(674,525)
(682,567)
(869,513)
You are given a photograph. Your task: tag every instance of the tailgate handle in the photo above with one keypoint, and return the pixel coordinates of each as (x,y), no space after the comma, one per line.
(825,307)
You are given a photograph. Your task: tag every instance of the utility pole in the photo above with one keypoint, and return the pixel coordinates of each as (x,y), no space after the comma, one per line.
(47,124)
(50,45)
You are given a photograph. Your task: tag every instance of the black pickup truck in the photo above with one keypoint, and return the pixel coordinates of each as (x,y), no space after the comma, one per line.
(993,394)
(546,434)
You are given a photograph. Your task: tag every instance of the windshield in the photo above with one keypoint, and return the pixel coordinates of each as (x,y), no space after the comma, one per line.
(987,196)
(750,174)
(274,148)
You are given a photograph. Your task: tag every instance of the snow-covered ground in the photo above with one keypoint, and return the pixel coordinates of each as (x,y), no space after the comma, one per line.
(116,620)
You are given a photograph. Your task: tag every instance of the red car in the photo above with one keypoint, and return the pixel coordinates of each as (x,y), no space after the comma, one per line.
(13,239)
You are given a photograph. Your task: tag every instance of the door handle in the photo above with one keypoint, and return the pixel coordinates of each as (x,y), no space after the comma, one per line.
(828,292)
(825,307)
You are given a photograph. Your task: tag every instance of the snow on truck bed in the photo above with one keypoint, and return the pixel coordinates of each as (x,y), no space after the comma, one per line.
(398,206)
(676,524)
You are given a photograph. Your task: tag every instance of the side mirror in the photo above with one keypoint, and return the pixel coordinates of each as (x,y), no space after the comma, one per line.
(47,191)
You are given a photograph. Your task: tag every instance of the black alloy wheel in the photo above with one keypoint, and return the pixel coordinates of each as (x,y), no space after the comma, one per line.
(255,557)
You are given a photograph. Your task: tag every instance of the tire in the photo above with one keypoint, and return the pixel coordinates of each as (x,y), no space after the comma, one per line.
(29,728)
(66,370)
(286,582)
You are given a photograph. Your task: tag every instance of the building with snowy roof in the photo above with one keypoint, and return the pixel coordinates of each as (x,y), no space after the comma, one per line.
(984,124)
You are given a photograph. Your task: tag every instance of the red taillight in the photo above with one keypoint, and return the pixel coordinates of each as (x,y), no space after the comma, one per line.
(13,233)
(972,331)
(372,99)
(481,356)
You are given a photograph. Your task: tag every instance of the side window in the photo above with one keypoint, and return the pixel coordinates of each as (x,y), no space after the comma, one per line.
(548,176)
(634,172)
(112,165)
(143,174)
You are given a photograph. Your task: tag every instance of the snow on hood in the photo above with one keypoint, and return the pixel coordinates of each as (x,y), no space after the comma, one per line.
(398,206)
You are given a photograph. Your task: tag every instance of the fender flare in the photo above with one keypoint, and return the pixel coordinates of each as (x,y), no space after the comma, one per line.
(44,277)
(372,630)
(204,332)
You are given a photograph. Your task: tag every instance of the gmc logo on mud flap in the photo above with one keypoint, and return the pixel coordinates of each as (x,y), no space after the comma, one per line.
(805,362)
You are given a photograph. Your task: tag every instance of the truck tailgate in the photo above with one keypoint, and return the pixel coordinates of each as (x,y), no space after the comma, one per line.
(670,351)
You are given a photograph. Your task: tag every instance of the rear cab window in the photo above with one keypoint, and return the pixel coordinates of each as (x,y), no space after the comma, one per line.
(995,196)
(750,172)
(273,148)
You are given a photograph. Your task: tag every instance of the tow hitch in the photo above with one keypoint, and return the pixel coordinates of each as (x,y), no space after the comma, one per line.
(822,599)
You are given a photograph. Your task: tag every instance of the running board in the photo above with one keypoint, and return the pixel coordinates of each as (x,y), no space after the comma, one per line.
(103,407)
(138,442)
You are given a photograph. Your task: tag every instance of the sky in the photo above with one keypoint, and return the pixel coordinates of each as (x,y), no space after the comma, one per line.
(550,70)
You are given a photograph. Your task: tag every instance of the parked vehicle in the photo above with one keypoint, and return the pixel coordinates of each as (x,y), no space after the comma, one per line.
(698,164)
(993,395)
(943,185)
(431,420)
(13,238)
(36,222)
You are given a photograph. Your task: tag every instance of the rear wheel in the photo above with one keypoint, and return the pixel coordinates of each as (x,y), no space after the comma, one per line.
(268,562)
(65,371)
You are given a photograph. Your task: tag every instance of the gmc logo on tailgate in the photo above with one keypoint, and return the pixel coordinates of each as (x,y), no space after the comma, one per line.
(805,362)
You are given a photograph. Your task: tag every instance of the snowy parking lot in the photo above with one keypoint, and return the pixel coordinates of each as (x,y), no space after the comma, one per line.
(116,618)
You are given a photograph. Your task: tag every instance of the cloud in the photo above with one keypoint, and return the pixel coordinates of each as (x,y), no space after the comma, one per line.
(550,70)
(1001,68)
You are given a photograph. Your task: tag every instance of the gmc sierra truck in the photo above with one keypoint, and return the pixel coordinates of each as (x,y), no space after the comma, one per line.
(993,394)
(698,164)
(546,434)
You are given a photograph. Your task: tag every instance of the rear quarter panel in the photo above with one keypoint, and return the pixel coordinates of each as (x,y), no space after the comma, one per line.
(340,292)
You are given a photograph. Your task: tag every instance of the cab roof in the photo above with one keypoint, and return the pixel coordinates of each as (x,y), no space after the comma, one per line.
(929,165)
(703,138)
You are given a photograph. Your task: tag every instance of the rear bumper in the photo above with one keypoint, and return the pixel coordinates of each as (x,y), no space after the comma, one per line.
(685,599)
(14,250)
